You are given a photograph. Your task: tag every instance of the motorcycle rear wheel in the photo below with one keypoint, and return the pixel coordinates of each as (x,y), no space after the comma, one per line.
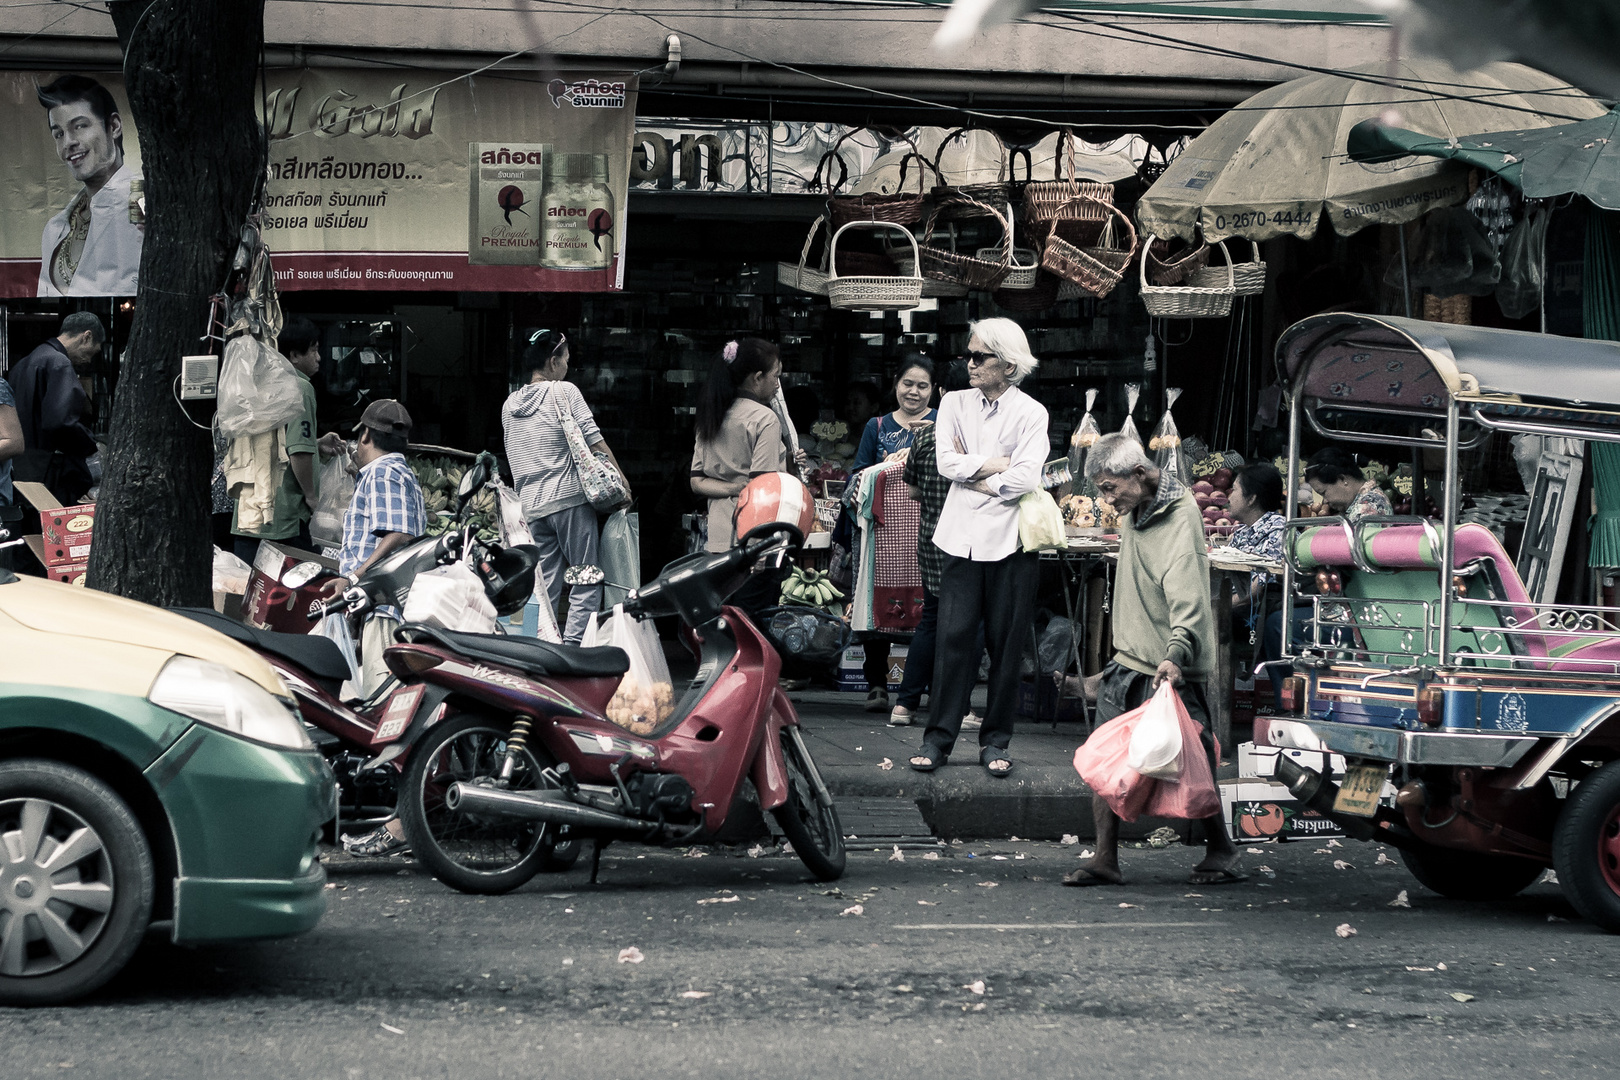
(473,853)
(812,829)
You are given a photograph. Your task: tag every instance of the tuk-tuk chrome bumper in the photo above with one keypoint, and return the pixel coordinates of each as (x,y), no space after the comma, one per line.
(1403,747)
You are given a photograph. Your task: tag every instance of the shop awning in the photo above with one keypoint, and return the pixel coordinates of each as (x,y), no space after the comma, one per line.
(1580,159)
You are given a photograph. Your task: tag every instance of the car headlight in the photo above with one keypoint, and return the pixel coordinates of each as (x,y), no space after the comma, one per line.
(219,697)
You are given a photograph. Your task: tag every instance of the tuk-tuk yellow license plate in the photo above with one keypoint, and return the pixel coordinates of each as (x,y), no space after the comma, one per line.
(1359,793)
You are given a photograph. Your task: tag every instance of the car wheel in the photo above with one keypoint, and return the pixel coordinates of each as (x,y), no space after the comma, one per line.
(76,883)
(1586,847)
(1469,875)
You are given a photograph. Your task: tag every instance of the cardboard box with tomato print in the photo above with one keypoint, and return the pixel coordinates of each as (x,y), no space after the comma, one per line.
(1265,811)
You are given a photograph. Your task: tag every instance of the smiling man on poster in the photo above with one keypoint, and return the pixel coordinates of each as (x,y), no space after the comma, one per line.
(93,246)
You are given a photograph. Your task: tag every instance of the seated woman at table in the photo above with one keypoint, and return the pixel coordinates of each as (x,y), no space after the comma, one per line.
(1334,473)
(1256,502)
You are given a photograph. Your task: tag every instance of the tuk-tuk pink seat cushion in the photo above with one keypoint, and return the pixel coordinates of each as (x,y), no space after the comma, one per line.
(1409,547)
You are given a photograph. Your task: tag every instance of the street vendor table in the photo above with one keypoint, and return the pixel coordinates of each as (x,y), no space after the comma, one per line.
(1225,571)
(1077,565)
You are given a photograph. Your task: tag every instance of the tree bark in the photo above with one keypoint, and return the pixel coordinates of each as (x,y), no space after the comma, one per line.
(191,69)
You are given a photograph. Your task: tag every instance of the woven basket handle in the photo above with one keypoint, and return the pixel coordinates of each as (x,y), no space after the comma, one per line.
(1065,146)
(843,169)
(989,211)
(922,178)
(809,239)
(832,246)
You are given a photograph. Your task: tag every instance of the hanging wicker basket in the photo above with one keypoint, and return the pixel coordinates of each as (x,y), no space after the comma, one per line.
(1162,269)
(798,275)
(1187,301)
(1046,200)
(996,192)
(866,292)
(1097,269)
(1023,270)
(950,265)
(899,208)
(1249,278)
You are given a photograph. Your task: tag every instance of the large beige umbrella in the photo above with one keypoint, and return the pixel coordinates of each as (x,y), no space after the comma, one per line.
(1277,164)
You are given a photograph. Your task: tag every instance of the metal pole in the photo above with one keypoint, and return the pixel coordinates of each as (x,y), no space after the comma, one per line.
(1406,278)
(1291,505)
(1448,535)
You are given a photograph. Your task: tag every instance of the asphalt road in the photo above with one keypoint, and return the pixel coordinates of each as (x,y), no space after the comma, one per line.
(751,971)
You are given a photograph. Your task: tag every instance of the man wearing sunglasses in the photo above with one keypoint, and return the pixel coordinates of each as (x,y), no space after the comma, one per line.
(990,443)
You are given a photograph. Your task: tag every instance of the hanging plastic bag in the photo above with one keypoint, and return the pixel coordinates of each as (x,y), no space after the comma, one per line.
(1520,290)
(451,597)
(1102,761)
(230,573)
(1156,743)
(1055,649)
(336,485)
(514,530)
(1168,454)
(336,628)
(1455,255)
(646,695)
(258,389)
(620,556)
(1133,391)
(1086,433)
(1040,523)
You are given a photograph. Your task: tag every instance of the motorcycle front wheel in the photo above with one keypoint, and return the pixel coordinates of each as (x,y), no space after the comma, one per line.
(475,853)
(812,829)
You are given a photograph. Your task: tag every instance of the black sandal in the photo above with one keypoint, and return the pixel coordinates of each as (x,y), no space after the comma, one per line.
(933,754)
(991,756)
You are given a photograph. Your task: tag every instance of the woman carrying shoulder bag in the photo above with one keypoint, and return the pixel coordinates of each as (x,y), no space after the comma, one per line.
(546,475)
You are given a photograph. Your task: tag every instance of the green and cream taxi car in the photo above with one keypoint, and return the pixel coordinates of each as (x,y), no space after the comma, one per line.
(150,770)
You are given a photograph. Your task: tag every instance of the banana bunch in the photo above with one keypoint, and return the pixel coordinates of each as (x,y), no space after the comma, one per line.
(811,588)
(435,501)
(483,503)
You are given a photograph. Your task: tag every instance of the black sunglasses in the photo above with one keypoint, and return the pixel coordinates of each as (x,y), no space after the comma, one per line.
(975,358)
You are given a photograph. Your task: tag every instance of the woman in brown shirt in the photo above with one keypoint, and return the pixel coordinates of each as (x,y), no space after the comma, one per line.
(738,434)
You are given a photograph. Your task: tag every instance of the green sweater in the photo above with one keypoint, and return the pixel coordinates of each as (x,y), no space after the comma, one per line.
(1161,590)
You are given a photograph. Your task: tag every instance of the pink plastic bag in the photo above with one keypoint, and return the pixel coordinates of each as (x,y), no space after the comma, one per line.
(1100,761)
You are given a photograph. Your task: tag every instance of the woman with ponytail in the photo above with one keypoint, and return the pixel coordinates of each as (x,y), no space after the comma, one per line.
(738,434)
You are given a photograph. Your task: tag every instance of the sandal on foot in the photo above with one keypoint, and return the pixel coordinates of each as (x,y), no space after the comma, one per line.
(1080,877)
(375,844)
(931,757)
(1229,876)
(993,757)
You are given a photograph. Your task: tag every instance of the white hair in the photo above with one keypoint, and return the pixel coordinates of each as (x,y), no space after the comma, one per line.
(1006,339)
(1117,455)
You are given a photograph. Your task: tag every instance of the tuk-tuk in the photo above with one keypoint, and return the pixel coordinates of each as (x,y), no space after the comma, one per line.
(1417,651)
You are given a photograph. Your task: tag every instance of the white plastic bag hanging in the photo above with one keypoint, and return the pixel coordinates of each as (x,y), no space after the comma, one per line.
(621,555)
(646,695)
(336,487)
(1166,442)
(1133,391)
(1086,433)
(230,573)
(514,528)
(258,389)
(1155,748)
(451,597)
(336,628)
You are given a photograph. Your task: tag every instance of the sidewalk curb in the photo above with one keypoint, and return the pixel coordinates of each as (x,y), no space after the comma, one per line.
(1037,802)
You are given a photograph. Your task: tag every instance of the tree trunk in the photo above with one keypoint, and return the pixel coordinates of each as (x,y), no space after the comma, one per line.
(191,69)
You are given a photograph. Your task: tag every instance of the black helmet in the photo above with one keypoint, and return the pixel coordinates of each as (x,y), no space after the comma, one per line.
(509,581)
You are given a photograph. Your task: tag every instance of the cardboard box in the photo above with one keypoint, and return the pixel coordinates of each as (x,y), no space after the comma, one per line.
(270,605)
(851,673)
(66,531)
(1266,811)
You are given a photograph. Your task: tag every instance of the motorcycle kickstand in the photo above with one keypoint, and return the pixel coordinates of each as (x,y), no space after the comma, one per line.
(596,857)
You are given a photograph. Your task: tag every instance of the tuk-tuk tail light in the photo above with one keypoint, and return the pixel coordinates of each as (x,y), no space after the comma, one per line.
(1431,706)
(1293,694)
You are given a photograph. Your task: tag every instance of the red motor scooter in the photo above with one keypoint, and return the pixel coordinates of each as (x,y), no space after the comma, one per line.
(531,748)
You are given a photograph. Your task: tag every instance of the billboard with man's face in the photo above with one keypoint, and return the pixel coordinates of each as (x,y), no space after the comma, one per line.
(380,181)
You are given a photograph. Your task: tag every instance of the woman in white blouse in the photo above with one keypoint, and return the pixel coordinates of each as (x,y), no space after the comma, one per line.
(991,443)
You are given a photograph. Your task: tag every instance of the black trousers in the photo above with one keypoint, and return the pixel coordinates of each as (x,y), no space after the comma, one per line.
(1001,596)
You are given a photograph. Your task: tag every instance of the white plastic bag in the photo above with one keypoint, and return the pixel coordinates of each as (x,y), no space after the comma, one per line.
(646,695)
(452,598)
(515,532)
(1155,748)
(258,389)
(230,573)
(336,487)
(336,627)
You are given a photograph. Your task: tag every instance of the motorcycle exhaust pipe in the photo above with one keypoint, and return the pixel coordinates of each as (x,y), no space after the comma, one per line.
(549,806)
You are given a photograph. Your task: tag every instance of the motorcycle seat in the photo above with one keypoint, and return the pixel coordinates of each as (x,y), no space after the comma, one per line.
(317,655)
(525,653)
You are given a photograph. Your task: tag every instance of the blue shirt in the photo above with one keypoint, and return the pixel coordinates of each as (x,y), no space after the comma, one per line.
(387,499)
(881,437)
(6,398)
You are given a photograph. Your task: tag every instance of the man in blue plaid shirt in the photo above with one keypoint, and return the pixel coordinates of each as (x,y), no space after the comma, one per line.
(386,513)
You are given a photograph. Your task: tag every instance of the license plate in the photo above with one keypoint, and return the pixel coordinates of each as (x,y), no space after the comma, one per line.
(1359,793)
